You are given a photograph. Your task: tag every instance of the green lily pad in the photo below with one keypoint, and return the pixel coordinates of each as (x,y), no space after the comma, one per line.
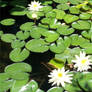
(85,81)
(32,86)
(50,36)
(56,89)
(56,64)
(64,6)
(17,44)
(85,16)
(59,1)
(37,45)
(46,9)
(18,84)
(68,54)
(51,14)
(20,76)
(5,85)
(59,13)
(59,47)
(22,35)
(74,10)
(18,55)
(8,38)
(4,77)
(26,26)
(70,18)
(65,30)
(17,68)
(81,25)
(18,11)
(8,22)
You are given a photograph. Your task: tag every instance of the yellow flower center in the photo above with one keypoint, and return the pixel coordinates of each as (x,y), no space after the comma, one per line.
(83,61)
(35,5)
(60,74)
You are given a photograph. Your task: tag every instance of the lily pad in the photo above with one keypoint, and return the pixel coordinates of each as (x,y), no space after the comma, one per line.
(26,26)
(81,25)
(70,18)
(8,22)
(50,36)
(65,30)
(37,45)
(18,67)
(8,38)
(18,55)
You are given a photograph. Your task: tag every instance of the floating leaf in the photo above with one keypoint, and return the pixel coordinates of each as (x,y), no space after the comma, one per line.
(22,35)
(17,68)
(56,64)
(50,36)
(18,84)
(18,11)
(46,9)
(85,81)
(37,31)
(17,44)
(59,1)
(18,55)
(8,22)
(74,10)
(59,47)
(4,77)
(70,18)
(74,86)
(65,30)
(56,89)
(37,45)
(20,76)
(63,6)
(59,13)
(5,85)
(26,26)
(8,38)
(81,25)
(32,86)
(51,14)
(85,16)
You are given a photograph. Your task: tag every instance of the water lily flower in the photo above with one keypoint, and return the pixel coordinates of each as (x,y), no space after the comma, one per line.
(82,62)
(34,6)
(34,15)
(60,77)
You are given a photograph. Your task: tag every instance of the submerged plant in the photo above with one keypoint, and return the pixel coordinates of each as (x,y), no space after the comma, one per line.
(61,27)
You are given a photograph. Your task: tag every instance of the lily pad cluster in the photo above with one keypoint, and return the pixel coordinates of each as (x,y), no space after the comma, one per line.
(63,27)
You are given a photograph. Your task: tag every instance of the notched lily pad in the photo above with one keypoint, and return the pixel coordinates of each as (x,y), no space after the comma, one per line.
(37,45)
(65,30)
(18,55)
(26,26)
(81,25)
(70,18)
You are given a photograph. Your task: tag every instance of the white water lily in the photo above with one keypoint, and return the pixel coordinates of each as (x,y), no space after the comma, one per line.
(34,15)
(34,6)
(82,62)
(60,77)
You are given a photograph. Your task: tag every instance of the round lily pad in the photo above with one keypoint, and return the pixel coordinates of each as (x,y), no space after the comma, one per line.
(7,22)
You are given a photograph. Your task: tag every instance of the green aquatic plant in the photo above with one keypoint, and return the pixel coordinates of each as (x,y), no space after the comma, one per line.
(63,27)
